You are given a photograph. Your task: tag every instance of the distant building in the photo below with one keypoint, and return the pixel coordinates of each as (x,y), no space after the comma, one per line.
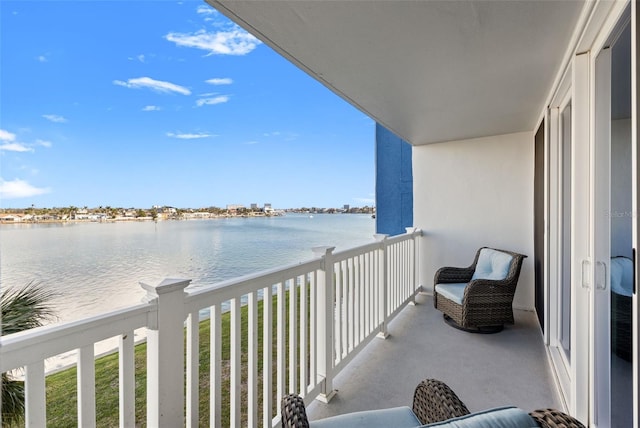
(254,206)
(346,207)
(235,207)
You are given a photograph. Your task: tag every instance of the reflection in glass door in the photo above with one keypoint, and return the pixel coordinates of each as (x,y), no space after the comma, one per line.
(564,315)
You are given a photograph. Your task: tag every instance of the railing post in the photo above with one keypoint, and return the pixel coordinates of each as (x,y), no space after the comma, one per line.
(165,354)
(326,314)
(414,262)
(382,283)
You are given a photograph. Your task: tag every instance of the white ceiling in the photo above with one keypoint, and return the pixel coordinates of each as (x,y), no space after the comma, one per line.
(430,71)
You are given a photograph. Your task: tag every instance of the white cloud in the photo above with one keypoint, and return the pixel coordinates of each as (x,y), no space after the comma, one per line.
(206,10)
(252,142)
(44,143)
(211,101)
(232,42)
(189,136)
(156,85)
(15,147)
(272,134)
(151,108)
(42,58)
(55,118)
(7,136)
(19,189)
(220,81)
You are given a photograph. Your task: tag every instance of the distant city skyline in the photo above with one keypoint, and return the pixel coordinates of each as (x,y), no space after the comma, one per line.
(156,206)
(176,106)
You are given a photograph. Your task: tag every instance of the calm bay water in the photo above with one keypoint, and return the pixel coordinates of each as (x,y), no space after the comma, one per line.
(97,267)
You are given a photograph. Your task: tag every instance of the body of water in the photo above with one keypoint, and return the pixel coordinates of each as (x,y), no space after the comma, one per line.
(97,267)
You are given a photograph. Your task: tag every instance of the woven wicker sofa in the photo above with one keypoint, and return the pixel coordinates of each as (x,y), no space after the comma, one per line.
(434,405)
(479,298)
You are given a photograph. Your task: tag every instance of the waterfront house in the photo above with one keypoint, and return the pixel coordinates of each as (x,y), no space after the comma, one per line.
(508,124)
(11,218)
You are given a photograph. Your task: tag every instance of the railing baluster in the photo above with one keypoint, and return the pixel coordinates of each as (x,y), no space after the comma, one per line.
(375,274)
(398,285)
(193,369)
(362,287)
(280,344)
(370,290)
(352,304)
(35,395)
(339,325)
(382,283)
(252,378)
(267,358)
(86,387)
(127,380)
(235,363)
(215,390)
(356,302)
(343,308)
(304,344)
(293,336)
(313,375)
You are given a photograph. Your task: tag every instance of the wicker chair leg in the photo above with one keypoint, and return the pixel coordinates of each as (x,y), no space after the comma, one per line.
(294,414)
(551,418)
(434,401)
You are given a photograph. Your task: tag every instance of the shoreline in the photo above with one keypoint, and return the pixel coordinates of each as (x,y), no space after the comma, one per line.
(137,219)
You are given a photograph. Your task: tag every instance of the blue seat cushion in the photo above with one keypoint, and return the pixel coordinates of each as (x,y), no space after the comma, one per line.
(453,291)
(501,417)
(492,264)
(397,417)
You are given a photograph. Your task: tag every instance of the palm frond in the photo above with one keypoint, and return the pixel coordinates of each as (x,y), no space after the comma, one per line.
(12,401)
(25,307)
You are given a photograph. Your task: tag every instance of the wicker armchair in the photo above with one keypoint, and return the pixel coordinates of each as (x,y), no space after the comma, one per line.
(486,304)
(433,401)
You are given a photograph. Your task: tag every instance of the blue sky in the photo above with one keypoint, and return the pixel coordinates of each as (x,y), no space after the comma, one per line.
(141,103)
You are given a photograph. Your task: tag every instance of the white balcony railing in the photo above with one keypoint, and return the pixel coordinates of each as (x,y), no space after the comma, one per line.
(321,312)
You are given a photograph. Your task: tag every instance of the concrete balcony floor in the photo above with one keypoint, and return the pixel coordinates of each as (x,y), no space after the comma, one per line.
(485,370)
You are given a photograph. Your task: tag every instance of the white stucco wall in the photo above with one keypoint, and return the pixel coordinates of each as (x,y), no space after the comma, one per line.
(474,193)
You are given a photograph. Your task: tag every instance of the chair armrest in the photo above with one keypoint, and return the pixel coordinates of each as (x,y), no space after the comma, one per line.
(452,275)
(551,418)
(490,286)
(434,401)
(294,414)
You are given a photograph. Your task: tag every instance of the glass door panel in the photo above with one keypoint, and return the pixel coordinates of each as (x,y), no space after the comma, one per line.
(565,242)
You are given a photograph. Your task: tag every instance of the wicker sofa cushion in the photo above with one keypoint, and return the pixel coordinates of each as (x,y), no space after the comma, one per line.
(622,276)
(492,264)
(397,417)
(452,291)
(501,417)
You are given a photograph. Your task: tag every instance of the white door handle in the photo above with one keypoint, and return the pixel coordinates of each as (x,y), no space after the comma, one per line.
(601,275)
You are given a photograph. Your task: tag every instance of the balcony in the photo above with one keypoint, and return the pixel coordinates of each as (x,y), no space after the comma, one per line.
(329,317)
(508,368)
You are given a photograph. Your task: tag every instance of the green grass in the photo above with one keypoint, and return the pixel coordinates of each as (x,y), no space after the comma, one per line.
(62,393)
